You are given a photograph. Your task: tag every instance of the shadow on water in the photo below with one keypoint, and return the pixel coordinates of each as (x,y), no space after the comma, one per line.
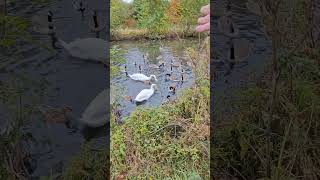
(172,52)
(70,81)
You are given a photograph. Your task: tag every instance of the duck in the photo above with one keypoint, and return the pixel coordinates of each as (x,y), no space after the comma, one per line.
(88,48)
(161,48)
(127,98)
(155,66)
(96,25)
(145,94)
(175,64)
(56,115)
(167,99)
(43,24)
(117,113)
(182,70)
(96,113)
(239,50)
(182,78)
(142,77)
(145,57)
(124,69)
(171,69)
(231,53)
(168,77)
(171,77)
(172,89)
(227,26)
(79,6)
(161,62)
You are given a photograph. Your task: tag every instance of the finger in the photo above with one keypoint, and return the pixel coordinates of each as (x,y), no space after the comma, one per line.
(202,28)
(204,20)
(205,10)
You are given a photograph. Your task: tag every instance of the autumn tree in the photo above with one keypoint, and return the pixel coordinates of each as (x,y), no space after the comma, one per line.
(174,12)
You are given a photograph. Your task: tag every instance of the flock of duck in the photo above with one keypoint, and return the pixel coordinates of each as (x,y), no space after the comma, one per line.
(239,48)
(93,49)
(87,48)
(145,94)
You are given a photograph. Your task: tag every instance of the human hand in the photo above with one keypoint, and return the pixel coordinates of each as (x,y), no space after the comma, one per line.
(204,21)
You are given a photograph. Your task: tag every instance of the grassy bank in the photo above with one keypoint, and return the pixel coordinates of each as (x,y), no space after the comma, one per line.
(240,147)
(15,91)
(88,164)
(274,133)
(170,141)
(138,34)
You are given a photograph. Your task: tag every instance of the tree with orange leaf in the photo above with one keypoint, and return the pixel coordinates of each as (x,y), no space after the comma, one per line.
(174,12)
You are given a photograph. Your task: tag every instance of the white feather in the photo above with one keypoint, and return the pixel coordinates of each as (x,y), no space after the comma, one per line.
(88,48)
(145,94)
(95,115)
(141,77)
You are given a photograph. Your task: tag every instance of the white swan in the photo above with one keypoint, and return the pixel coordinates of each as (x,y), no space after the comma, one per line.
(142,77)
(95,24)
(145,94)
(95,115)
(43,24)
(88,48)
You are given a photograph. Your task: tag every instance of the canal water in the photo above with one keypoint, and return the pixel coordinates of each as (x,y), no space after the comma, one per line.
(173,51)
(231,76)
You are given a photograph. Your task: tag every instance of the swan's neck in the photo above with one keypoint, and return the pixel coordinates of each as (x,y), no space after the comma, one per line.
(64,44)
(81,7)
(95,20)
(231,28)
(228,7)
(49,18)
(232,52)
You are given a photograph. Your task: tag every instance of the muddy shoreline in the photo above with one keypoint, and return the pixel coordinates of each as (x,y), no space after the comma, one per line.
(166,36)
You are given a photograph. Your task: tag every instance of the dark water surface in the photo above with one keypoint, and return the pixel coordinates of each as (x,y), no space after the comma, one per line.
(71,82)
(230,79)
